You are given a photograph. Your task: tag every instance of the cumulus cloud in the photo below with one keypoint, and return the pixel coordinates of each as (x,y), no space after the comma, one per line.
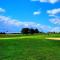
(55,29)
(10,21)
(47,1)
(14,22)
(55,21)
(53,12)
(36,12)
(43,28)
(2,10)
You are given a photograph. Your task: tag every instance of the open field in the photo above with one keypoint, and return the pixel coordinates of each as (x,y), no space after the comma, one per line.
(29,47)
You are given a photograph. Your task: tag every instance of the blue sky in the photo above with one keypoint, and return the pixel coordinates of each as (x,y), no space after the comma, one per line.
(41,14)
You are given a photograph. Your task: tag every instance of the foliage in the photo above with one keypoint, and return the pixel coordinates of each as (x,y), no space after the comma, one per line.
(36,31)
(32,31)
(29,31)
(2,33)
(25,30)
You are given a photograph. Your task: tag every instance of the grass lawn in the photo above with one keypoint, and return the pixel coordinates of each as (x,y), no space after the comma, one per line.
(35,47)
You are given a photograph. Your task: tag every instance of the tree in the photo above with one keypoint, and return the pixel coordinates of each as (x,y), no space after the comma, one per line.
(36,31)
(32,31)
(29,31)
(2,33)
(25,30)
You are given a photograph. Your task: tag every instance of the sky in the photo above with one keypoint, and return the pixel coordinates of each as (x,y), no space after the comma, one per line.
(41,14)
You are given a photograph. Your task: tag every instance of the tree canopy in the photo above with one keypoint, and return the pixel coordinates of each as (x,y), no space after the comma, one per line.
(29,31)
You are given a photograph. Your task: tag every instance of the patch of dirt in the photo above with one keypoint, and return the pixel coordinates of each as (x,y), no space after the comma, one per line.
(53,38)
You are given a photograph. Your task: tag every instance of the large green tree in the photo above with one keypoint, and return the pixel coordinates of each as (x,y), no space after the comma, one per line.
(25,30)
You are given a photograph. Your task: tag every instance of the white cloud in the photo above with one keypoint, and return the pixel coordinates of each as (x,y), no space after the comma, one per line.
(47,1)
(43,28)
(7,21)
(55,29)
(53,12)
(36,12)
(2,10)
(53,1)
(10,21)
(46,28)
(55,21)
(43,0)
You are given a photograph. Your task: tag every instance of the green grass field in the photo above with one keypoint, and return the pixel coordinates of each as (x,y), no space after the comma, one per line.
(29,47)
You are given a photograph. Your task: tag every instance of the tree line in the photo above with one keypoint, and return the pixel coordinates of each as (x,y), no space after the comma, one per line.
(29,31)
(33,31)
(2,33)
